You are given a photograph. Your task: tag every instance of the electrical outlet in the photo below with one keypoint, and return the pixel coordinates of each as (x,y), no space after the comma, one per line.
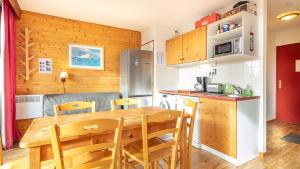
(214,71)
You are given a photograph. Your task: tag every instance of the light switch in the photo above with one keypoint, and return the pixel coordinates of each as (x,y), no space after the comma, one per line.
(297,65)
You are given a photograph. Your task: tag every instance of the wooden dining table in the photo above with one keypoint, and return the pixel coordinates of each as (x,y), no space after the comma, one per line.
(37,138)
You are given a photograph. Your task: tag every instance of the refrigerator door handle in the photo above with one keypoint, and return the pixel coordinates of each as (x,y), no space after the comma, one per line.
(144,95)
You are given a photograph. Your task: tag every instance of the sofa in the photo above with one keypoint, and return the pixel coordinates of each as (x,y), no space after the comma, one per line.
(102,100)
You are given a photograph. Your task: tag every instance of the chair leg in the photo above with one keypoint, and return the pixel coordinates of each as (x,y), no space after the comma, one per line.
(169,163)
(125,161)
(120,158)
(189,157)
(156,165)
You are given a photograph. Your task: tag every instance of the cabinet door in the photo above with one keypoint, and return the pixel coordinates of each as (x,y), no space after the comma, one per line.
(174,51)
(218,125)
(194,45)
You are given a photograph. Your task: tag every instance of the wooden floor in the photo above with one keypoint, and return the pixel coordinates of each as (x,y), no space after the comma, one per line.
(281,154)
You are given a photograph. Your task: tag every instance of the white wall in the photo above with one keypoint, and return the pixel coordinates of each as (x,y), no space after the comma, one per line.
(165,78)
(241,73)
(276,38)
(271,76)
(288,36)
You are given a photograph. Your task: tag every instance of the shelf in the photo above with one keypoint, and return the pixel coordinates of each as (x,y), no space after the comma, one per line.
(235,17)
(249,24)
(190,64)
(228,35)
(235,57)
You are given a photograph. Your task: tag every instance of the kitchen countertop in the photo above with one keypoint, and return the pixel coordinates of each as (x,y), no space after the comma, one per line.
(209,95)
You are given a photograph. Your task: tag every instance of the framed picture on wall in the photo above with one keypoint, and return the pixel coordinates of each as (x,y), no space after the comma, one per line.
(45,65)
(86,57)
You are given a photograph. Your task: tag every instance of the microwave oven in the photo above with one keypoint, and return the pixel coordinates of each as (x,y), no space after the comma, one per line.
(233,46)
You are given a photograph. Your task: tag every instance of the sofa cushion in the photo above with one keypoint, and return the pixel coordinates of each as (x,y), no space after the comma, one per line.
(102,100)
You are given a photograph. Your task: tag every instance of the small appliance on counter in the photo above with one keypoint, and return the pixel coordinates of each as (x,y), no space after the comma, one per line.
(201,84)
(229,88)
(215,88)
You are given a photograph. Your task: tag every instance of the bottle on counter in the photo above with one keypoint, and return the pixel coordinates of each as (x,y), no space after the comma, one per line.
(248,91)
(251,40)
(219,29)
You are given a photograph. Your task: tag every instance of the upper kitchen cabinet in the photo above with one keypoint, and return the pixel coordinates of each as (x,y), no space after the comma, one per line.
(194,45)
(189,47)
(174,51)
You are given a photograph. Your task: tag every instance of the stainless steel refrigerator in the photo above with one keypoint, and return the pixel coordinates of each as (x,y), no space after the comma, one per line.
(136,70)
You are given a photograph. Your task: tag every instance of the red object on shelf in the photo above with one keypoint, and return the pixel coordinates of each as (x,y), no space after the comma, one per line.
(207,20)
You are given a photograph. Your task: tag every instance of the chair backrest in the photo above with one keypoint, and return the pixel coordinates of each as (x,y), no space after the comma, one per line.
(74,106)
(162,117)
(193,107)
(189,107)
(85,129)
(124,102)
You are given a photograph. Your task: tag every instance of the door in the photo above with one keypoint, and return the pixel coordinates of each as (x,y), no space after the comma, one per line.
(174,51)
(288,83)
(140,73)
(194,45)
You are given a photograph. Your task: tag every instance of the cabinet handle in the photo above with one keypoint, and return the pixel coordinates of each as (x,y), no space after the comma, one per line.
(279,84)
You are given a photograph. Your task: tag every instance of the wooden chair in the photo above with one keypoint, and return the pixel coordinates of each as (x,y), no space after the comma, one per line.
(73,106)
(22,162)
(91,155)
(151,148)
(124,102)
(189,104)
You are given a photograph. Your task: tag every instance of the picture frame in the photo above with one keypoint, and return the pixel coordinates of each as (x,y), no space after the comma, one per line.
(86,57)
(45,65)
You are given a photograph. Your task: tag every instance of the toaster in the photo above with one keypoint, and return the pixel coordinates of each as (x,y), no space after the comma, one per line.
(215,88)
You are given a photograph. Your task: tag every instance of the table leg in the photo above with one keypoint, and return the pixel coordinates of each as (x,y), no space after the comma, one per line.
(34,158)
(183,142)
(120,157)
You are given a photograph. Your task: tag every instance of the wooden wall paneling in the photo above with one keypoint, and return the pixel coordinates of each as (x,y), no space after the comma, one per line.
(52,35)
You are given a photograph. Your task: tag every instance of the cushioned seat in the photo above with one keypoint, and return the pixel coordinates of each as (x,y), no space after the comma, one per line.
(102,100)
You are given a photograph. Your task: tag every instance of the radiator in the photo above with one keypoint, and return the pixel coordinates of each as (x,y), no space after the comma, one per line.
(29,106)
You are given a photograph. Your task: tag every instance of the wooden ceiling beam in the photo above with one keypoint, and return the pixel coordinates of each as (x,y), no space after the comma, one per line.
(16,7)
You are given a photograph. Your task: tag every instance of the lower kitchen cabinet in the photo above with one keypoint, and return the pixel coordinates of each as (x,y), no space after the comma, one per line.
(230,129)
(218,125)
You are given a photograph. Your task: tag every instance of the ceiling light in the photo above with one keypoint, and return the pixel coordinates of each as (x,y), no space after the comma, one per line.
(288,15)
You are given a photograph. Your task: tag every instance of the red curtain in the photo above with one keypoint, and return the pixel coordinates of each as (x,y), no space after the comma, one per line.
(11,133)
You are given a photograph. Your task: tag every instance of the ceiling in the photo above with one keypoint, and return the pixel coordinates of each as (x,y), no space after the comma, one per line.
(130,14)
(276,7)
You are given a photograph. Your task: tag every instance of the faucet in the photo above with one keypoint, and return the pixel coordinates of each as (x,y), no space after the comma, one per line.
(238,89)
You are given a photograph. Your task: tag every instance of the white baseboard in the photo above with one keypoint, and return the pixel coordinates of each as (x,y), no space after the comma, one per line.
(219,154)
(196,145)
